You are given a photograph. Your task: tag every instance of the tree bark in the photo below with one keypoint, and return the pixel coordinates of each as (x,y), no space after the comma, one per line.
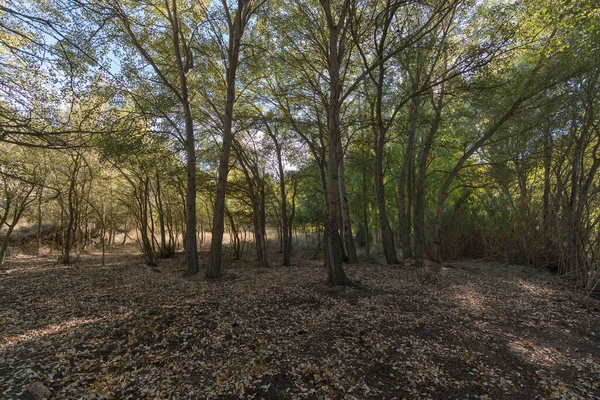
(420,242)
(191,246)
(287,240)
(4,247)
(346,222)
(333,242)
(71,209)
(387,237)
(39,220)
(235,36)
(164,252)
(404,225)
(546,195)
(144,202)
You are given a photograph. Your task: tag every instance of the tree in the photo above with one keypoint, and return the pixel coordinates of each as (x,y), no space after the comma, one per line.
(237,21)
(277,135)
(19,177)
(171,66)
(250,156)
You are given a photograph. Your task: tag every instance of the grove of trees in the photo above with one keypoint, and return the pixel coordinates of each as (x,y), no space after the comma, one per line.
(371,130)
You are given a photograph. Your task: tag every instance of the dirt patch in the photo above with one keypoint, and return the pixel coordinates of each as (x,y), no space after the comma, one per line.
(126,331)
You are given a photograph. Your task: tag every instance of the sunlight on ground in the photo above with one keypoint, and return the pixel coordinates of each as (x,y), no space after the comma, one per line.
(536,354)
(471,300)
(34,269)
(25,264)
(36,334)
(535,289)
(277,333)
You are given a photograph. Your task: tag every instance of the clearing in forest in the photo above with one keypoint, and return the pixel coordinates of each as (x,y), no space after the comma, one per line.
(129,331)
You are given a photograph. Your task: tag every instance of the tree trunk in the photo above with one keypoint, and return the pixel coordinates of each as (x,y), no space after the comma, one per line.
(387,237)
(191,246)
(103,234)
(215,257)
(4,247)
(404,225)
(287,240)
(152,235)
(164,252)
(291,220)
(233,236)
(546,195)
(259,229)
(346,222)
(146,240)
(333,242)
(263,222)
(420,183)
(39,220)
(71,209)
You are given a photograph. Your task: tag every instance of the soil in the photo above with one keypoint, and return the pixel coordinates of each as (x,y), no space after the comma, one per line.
(124,330)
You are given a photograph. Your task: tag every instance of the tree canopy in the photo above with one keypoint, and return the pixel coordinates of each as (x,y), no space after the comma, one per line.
(447,129)
(342,135)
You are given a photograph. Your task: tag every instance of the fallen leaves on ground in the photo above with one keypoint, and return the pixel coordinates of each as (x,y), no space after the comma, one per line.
(127,331)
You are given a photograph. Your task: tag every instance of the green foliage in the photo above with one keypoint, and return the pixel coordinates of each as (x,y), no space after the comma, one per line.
(496,101)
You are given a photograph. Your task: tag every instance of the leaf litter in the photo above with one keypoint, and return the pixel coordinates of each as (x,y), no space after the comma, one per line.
(126,331)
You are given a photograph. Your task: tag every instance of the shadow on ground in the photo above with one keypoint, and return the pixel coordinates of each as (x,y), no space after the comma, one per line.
(129,331)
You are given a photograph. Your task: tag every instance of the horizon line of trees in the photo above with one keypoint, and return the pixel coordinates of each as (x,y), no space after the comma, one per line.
(448,128)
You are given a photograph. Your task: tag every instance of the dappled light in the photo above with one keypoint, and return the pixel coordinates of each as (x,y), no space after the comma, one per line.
(303,200)
(537,354)
(40,334)
(281,332)
(471,301)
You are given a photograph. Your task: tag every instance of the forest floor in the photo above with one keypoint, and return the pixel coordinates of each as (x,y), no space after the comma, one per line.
(126,330)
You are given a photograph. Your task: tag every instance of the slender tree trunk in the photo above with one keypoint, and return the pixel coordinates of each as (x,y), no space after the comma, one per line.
(546,195)
(420,242)
(333,242)
(404,225)
(103,234)
(16,216)
(263,220)
(39,219)
(191,246)
(319,241)
(152,235)
(233,236)
(17,213)
(164,252)
(86,231)
(71,209)
(346,222)
(146,240)
(4,247)
(325,191)
(387,237)
(287,240)
(291,219)
(259,234)
(366,213)
(215,257)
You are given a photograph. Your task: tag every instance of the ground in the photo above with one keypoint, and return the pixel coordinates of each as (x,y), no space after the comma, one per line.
(125,330)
